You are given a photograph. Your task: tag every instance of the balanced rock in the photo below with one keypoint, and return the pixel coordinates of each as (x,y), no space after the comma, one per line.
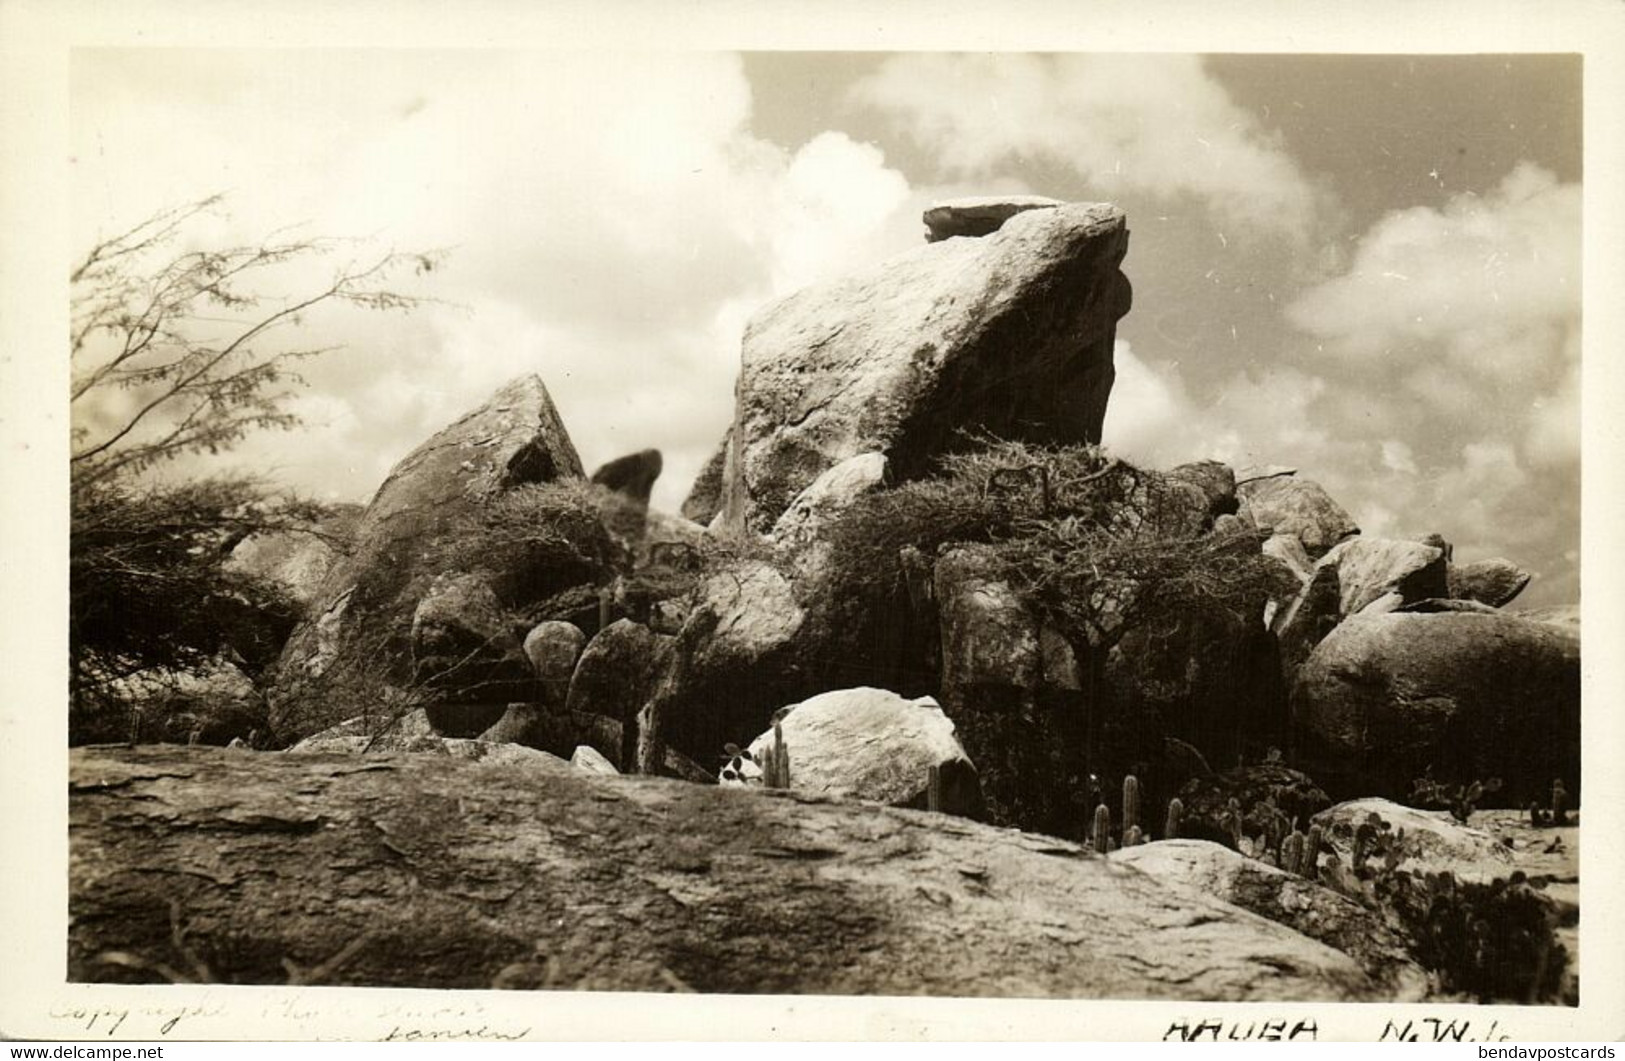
(1472,696)
(368,598)
(632,476)
(1494,582)
(1010,334)
(1288,899)
(1300,507)
(978,215)
(1431,841)
(875,745)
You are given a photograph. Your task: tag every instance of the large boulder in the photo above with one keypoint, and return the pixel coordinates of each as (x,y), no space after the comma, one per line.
(1372,568)
(553,649)
(873,744)
(1430,841)
(1300,507)
(827,497)
(1473,696)
(1494,582)
(978,215)
(1010,334)
(367,600)
(1290,900)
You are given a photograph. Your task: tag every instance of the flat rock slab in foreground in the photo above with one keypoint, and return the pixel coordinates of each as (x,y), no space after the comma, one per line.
(415,871)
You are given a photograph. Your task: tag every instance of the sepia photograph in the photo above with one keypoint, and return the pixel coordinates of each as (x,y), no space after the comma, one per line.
(1046,523)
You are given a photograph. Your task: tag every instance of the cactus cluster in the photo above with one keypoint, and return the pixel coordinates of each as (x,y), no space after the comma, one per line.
(775,760)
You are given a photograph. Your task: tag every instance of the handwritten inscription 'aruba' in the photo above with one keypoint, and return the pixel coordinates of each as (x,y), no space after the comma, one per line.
(1268,1031)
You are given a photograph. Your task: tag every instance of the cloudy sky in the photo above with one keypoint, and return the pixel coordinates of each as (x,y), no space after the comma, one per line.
(1363,267)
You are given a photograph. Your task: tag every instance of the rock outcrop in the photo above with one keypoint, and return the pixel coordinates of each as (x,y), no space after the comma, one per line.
(514,438)
(1290,900)
(621,884)
(871,744)
(1010,334)
(1473,696)
(704,498)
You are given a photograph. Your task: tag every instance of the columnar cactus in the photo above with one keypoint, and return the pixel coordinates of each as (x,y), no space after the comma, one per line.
(1131,805)
(1132,837)
(1292,851)
(1103,829)
(1310,866)
(1233,819)
(1176,812)
(776,761)
(1560,803)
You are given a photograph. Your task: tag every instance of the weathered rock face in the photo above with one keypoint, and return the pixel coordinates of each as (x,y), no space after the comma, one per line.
(1432,841)
(1288,899)
(1474,696)
(978,215)
(1370,568)
(296,560)
(872,744)
(514,438)
(1300,507)
(1494,582)
(1207,798)
(1011,334)
(718,891)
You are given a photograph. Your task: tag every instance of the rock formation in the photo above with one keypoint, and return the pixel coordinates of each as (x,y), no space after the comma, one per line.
(514,438)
